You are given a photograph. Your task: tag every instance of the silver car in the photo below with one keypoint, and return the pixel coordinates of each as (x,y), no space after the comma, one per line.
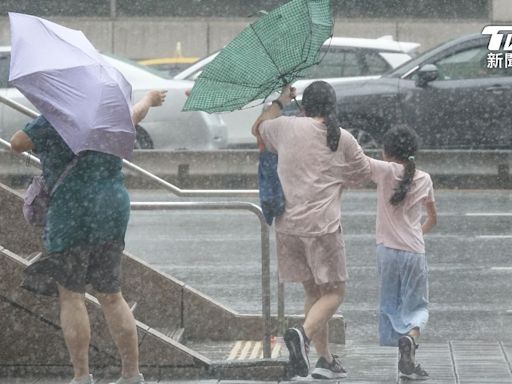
(343,59)
(165,127)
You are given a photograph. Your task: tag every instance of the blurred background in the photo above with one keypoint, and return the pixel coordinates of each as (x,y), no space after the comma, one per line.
(124,27)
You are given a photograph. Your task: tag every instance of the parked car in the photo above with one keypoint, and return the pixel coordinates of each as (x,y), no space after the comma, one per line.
(170,66)
(448,95)
(166,127)
(343,58)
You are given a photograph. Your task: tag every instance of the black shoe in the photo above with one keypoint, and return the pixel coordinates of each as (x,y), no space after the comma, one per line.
(407,348)
(417,374)
(298,348)
(324,370)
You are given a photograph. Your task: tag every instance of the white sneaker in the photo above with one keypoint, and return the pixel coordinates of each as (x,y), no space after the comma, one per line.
(83,380)
(139,379)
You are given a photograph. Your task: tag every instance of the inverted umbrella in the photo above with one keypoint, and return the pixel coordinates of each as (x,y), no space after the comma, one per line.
(68,81)
(268,54)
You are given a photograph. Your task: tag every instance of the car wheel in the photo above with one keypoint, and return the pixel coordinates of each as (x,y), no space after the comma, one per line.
(142,139)
(364,138)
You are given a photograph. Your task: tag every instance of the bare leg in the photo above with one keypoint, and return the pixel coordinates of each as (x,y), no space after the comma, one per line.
(75,325)
(313,293)
(415,333)
(121,324)
(320,312)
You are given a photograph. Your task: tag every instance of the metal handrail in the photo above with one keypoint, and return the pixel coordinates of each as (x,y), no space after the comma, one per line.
(265,248)
(265,240)
(166,185)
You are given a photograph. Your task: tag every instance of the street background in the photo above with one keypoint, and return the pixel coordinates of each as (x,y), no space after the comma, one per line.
(468,252)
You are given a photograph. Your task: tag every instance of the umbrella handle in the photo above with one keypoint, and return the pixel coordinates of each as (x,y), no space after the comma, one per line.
(297,104)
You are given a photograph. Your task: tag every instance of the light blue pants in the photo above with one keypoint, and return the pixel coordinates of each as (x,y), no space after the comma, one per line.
(403,293)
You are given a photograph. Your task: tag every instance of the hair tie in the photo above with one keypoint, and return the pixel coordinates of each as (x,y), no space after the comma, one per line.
(410,158)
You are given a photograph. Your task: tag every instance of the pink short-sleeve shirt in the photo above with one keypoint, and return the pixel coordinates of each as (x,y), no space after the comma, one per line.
(312,176)
(399,226)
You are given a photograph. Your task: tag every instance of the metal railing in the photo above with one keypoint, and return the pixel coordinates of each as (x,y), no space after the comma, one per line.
(265,240)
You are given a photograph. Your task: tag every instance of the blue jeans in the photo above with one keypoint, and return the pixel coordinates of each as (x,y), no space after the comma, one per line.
(403,293)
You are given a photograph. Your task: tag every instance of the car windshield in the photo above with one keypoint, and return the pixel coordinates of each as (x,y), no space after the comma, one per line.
(410,65)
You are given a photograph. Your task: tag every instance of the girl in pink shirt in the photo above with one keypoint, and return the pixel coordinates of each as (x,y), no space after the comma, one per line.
(402,193)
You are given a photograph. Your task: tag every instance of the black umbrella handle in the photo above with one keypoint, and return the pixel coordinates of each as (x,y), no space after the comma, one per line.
(297,104)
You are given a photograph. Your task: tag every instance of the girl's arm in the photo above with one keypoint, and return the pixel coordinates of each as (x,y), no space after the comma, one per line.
(20,142)
(150,99)
(431,220)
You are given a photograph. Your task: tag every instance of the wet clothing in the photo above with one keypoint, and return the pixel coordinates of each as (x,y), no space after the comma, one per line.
(91,206)
(318,258)
(399,226)
(403,293)
(312,176)
(75,267)
(401,260)
(309,235)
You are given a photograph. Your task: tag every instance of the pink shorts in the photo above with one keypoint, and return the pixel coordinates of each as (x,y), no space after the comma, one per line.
(320,258)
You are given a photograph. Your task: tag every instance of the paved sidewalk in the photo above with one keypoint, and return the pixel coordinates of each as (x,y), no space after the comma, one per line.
(455,362)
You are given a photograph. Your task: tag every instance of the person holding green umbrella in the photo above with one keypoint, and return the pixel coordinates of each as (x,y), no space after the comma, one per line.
(317,161)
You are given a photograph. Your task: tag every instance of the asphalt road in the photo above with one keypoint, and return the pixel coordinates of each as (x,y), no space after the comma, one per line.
(469,255)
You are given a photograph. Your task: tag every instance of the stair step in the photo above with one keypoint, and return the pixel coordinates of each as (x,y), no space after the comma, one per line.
(132,306)
(173,333)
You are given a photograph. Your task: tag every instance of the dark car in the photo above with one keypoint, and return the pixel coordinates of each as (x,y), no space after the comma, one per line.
(448,95)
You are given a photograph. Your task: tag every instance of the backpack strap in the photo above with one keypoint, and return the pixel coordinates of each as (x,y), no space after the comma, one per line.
(63,175)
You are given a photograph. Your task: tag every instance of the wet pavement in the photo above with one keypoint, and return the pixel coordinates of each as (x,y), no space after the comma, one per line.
(468,339)
(468,252)
(453,362)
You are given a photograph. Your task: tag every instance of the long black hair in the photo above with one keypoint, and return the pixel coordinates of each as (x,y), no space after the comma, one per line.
(319,100)
(401,144)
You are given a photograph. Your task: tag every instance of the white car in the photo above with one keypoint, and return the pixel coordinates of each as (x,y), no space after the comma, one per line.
(165,127)
(343,59)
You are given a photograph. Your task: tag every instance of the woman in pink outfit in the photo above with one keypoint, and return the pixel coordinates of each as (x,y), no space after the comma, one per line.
(317,160)
(403,192)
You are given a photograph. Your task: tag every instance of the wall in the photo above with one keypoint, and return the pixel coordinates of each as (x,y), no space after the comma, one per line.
(157,37)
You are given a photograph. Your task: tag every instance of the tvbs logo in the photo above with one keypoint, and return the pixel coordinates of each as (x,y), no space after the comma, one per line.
(500,40)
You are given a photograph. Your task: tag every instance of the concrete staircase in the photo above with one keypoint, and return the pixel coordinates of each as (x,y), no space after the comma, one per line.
(169,313)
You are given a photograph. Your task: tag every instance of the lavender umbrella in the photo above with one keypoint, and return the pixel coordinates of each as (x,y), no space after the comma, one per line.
(80,94)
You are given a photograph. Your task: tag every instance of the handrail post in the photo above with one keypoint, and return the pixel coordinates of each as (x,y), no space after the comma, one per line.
(281,322)
(265,288)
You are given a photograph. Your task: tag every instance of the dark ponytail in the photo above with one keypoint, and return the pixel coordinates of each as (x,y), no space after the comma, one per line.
(319,100)
(333,131)
(405,184)
(401,144)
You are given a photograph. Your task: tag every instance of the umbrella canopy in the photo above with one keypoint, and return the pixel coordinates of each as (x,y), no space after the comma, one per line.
(80,94)
(270,53)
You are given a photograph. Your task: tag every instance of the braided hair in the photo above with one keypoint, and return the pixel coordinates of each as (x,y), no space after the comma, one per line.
(401,144)
(319,100)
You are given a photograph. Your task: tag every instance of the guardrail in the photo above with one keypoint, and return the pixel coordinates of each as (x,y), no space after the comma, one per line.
(238,169)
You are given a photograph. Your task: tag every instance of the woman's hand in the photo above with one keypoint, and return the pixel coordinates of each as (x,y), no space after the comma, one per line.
(156,97)
(287,94)
(153,98)
(20,142)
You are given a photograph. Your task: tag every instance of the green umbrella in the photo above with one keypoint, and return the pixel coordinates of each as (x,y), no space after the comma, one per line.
(268,54)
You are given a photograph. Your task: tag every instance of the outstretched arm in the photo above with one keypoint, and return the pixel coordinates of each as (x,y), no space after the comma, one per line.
(150,99)
(275,110)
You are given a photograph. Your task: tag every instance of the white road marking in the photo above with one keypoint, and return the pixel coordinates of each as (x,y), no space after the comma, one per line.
(502,214)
